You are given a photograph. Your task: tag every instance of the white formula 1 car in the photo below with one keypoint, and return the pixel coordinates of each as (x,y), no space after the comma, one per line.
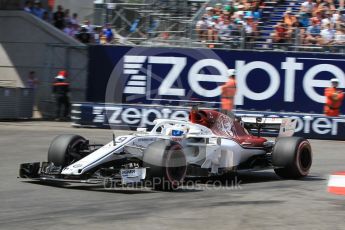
(211,143)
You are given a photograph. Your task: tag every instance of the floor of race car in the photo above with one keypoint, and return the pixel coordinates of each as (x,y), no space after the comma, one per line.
(250,201)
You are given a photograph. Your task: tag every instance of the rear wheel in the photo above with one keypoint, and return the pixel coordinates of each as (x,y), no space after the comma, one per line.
(167,164)
(65,149)
(292,157)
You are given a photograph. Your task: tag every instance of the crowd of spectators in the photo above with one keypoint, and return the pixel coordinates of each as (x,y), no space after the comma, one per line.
(70,25)
(228,22)
(318,22)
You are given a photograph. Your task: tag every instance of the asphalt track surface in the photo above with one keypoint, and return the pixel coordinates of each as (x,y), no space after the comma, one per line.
(259,201)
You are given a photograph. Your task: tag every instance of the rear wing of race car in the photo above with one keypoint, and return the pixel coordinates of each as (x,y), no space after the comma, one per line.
(285,127)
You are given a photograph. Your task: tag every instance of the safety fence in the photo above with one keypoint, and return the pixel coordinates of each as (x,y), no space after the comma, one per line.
(286,39)
(52,58)
(296,39)
(16,103)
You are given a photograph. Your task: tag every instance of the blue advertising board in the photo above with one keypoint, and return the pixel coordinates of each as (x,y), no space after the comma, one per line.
(266,81)
(129,116)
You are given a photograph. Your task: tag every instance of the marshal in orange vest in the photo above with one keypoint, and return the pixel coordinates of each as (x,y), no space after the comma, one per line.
(334,98)
(228,92)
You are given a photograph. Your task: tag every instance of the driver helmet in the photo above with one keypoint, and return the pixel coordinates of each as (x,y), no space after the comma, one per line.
(231,72)
(335,80)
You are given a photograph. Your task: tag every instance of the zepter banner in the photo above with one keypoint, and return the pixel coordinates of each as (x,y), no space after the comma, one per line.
(274,81)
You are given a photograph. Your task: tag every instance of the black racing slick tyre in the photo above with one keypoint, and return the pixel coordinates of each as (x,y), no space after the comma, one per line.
(166,163)
(292,157)
(64,149)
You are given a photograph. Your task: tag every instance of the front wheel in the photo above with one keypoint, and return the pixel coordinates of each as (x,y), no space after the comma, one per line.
(167,164)
(292,157)
(65,149)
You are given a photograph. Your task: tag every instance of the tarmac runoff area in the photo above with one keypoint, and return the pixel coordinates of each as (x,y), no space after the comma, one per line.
(257,200)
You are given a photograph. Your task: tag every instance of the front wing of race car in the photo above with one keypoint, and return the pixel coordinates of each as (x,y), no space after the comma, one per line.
(47,172)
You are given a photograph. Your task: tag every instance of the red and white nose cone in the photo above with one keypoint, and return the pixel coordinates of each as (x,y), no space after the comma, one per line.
(336,183)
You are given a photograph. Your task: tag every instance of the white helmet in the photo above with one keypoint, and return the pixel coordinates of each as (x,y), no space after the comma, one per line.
(334,80)
(60,77)
(231,72)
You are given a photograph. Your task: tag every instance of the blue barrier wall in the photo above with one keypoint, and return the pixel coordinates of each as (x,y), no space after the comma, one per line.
(129,116)
(274,81)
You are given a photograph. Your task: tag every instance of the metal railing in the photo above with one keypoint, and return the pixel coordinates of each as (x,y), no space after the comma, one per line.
(240,39)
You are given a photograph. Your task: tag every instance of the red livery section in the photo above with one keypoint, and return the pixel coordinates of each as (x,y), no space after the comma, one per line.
(223,125)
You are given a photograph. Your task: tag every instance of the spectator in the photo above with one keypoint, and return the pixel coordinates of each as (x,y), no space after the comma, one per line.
(338,20)
(28,7)
(258,8)
(327,19)
(327,35)
(249,28)
(201,28)
(217,9)
(318,7)
(230,7)
(209,13)
(308,6)
(319,14)
(237,34)
(83,36)
(70,30)
(339,37)
(329,5)
(341,4)
(32,81)
(280,33)
(67,17)
(212,27)
(108,33)
(74,19)
(59,18)
(87,25)
(37,9)
(224,30)
(289,19)
(98,35)
(303,18)
(313,32)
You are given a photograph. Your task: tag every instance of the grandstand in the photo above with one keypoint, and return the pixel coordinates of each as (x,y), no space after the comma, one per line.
(253,24)
(225,24)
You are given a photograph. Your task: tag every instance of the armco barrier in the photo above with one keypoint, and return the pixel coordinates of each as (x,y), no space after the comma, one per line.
(274,81)
(127,116)
(16,103)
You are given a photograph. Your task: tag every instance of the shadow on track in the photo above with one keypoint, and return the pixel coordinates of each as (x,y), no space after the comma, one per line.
(94,188)
(231,180)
